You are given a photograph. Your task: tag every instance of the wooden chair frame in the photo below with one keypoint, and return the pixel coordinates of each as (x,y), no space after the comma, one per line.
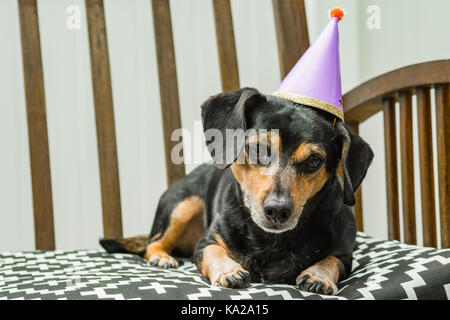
(381,94)
(292,38)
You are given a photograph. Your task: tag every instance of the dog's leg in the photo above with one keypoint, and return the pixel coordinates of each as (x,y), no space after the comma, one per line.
(215,262)
(187,215)
(322,277)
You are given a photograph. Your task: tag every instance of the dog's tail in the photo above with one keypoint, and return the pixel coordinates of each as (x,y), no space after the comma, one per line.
(136,245)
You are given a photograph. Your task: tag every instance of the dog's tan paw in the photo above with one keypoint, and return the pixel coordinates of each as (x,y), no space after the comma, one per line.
(236,277)
(315,282)
(163,260)
(157,256)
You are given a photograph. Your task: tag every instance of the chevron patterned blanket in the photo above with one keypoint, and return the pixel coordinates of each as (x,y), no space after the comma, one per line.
(381,270)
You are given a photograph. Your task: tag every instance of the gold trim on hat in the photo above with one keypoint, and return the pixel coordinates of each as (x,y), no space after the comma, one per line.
(317,103)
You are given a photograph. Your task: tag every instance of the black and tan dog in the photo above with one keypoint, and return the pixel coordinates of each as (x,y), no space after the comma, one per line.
(242,222)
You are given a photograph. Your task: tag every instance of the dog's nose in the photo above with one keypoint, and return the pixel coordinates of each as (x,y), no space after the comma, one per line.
(277,210)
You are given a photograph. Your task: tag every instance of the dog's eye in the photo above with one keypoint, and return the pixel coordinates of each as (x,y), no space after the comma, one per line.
(312,163)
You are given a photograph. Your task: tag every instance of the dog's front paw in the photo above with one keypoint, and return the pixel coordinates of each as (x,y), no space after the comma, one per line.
(163,260)
(157,256)
(233,278)
(315,282)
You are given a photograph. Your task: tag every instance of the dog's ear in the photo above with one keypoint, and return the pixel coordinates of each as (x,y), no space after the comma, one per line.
(355,160)
(225,122)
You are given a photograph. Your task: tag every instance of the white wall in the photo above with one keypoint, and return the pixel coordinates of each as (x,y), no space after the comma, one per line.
(411,31)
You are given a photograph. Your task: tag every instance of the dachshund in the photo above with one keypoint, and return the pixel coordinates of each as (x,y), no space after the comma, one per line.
(272,207)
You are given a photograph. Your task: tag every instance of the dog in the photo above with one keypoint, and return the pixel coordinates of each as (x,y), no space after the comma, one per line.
(289,221)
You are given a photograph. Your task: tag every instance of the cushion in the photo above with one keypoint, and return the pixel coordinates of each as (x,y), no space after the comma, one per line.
(381,270)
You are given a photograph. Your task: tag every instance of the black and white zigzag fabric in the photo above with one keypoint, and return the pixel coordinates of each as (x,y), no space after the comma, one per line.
(381,270)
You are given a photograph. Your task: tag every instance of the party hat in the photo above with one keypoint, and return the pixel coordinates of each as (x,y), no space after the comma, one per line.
(316,78)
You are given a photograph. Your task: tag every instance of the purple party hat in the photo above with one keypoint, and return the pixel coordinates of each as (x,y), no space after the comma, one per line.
(316,78)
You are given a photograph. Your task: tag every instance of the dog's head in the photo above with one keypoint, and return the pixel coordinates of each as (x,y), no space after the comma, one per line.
(281,153)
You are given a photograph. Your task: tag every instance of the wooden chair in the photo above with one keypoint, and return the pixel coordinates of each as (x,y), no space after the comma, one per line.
(381,94)
(292,37)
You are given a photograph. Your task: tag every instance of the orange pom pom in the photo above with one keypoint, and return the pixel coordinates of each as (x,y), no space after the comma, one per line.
(336,13)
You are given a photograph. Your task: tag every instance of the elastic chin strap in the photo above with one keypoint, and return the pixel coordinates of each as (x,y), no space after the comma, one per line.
(334,122)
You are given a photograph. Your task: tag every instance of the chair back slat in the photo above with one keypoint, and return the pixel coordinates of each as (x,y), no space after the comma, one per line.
(407,166)
(443,156)
(37,126)
(358,194)
(226,45)
(104,116)
(292,32)
(390,145)
(426,167)
(168,84)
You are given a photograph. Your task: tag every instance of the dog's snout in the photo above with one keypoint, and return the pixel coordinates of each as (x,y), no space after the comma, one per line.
(278,209)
